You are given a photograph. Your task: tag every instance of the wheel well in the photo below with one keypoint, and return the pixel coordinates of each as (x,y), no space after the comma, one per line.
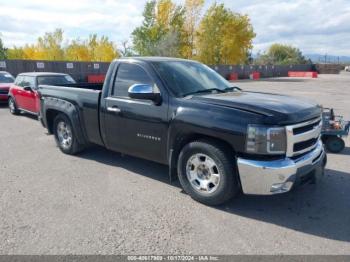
(10,96)
(50,117)
(184,140)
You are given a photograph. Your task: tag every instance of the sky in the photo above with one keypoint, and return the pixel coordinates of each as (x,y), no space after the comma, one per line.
(314,26)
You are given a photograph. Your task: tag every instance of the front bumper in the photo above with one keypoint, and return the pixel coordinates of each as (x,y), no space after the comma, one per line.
(279,176)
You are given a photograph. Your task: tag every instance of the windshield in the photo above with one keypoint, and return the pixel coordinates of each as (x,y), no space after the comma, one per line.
(55,80)
(188,77)
(6,78)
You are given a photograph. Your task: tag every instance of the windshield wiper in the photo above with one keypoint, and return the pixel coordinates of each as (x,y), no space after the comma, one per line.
(227,89)
(206,91)
(231,88)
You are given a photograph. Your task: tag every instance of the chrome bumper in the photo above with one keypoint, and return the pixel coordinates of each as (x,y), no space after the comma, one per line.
(279,176)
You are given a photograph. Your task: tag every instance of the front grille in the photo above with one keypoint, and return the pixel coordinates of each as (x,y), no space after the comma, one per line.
(304,144)
(303,129)
(4,92)
(303,137)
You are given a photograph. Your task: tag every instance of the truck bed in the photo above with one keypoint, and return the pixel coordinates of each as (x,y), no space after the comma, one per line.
(85,98)
(93,86)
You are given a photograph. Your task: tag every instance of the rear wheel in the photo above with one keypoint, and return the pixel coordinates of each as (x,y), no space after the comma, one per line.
(207,172)
(12,106)
(64,135)
(334,144)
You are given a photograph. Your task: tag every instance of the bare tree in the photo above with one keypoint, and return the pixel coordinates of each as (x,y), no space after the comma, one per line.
(126,49)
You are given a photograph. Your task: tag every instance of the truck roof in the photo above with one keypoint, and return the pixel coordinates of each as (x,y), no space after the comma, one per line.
(41,74)
(152,59)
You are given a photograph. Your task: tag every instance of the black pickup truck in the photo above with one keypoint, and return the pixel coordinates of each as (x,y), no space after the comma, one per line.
(217,139)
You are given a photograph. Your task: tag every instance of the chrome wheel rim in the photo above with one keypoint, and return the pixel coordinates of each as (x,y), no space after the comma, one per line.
(203,173)
(64,134)
(11,106)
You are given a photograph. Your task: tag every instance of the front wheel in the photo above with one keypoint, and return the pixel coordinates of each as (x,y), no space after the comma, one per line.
(64,135)
(12,106)
(207,172)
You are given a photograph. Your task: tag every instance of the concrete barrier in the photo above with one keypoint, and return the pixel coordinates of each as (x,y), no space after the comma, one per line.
(233,76)
(311,74)
(96,78)
(254,76)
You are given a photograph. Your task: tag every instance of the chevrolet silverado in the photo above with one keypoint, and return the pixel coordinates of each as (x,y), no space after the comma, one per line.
(217,139)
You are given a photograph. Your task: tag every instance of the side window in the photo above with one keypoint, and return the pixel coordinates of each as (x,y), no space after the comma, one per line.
(29,81)
(127,75)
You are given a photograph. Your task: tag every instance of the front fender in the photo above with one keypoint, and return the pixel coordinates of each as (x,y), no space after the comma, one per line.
(226,125)
(188,124)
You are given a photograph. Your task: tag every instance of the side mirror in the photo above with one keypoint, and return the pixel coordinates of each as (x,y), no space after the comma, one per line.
(27,88)
(144,91)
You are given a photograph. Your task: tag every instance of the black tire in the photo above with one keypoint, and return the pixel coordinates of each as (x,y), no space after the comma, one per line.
(13,106)
(71,148)
(228,186)
(334,144)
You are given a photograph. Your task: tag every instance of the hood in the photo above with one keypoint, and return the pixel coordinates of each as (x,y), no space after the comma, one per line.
(5,85)
(277,109)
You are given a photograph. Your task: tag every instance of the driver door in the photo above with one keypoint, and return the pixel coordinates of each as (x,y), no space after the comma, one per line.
(134,126)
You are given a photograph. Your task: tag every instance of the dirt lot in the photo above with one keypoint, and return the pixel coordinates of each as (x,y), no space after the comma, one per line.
(101,202)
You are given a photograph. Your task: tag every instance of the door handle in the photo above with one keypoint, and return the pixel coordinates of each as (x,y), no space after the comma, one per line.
(114,109)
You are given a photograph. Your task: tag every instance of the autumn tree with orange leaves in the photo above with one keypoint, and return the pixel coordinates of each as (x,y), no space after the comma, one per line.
(224,37)
(221,36)
(216,36)
(50,47)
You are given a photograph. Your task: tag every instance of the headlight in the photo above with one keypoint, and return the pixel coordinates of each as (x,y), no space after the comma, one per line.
(266,140)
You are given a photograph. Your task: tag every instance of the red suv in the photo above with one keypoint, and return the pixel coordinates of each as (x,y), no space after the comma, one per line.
(6,80)
(23,95)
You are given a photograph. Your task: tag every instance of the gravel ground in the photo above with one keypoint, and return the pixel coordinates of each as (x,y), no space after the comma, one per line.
(103,203)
